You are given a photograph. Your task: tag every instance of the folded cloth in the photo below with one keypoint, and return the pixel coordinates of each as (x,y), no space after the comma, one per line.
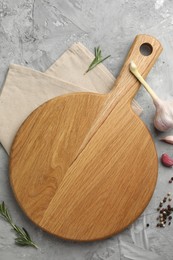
(25,89)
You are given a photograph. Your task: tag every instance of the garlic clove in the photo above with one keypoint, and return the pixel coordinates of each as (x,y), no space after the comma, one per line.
(167,139)
(163,120)
(166,160)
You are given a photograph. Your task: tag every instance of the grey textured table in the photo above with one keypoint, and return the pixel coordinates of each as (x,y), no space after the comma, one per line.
(34,33)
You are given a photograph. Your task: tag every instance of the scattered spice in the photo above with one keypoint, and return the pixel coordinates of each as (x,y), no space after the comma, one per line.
(170,181)
(98,59)
(164,212)
(164,200)
(148,225)
(22,236)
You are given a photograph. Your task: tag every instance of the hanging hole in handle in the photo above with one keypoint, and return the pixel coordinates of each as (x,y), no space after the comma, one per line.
(146,49)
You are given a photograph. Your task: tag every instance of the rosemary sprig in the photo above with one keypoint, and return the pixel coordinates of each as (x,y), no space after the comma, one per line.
(22,236)
(98,59)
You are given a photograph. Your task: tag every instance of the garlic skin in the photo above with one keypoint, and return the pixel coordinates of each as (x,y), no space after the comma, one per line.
(163,119)
(167,139)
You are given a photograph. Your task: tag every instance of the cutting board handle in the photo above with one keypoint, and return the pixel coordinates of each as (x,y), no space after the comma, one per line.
(126,84)
(144,52)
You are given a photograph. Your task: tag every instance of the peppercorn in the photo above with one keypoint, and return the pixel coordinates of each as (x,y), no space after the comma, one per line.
(170,181)
(165,212)
(148,225)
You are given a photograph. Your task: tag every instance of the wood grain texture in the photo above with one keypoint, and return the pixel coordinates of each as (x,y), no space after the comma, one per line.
(84,166)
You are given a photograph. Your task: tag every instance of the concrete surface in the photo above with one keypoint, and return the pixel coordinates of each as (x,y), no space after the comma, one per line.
(34,33)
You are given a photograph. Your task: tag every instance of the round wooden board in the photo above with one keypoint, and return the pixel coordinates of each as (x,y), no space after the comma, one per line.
(84,166)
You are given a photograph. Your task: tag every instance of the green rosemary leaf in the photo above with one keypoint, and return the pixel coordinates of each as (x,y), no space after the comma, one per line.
(23,238)
(19,231)
(20,241)
(95,51)
(99,53)
(3,207)
(98,59)
(4,212)
(105,58)
(8,216)
(24,242)
(26,233)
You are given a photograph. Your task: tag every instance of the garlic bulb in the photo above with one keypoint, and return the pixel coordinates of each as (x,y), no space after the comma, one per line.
(163,119)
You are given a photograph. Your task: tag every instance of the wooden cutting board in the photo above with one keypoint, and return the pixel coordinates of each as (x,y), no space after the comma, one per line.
(83,166)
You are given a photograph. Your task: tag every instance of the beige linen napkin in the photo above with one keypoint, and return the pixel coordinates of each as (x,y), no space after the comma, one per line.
(25,89)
